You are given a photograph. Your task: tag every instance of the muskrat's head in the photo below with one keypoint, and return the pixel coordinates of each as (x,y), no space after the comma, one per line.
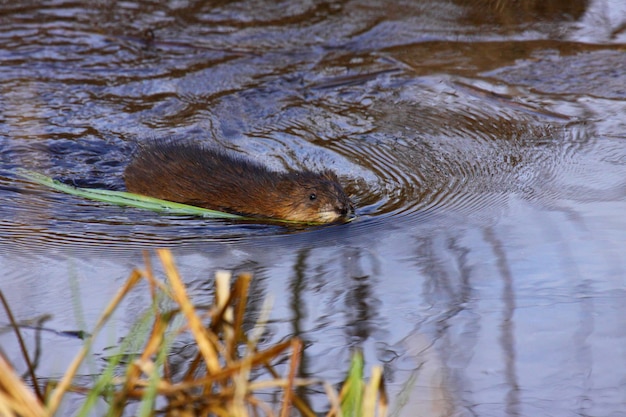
(315,197)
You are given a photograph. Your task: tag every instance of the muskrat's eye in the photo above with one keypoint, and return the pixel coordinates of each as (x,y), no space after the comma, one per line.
(312,197)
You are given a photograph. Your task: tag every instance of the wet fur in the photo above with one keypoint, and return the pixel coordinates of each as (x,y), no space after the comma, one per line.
(193,174)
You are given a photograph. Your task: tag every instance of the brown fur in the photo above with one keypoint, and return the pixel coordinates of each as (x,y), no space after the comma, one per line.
(204,177)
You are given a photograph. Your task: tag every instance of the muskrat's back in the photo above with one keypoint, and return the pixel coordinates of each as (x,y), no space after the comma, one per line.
(197,175)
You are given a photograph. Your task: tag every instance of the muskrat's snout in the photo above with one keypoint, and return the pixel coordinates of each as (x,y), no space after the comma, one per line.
(345,209)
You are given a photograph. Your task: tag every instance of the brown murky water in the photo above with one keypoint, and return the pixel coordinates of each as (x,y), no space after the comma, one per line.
(484,144)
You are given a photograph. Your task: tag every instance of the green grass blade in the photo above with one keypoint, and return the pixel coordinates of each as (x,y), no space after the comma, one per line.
(123,198)
(352,402)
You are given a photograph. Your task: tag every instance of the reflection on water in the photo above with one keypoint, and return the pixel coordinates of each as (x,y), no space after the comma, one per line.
(482,142)
(507,14)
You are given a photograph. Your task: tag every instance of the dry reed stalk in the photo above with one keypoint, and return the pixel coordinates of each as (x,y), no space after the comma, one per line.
(242,286)
(335,401)
(20,340)
(16,398)
(296,352)
(179,293)
(222,297)
(374,389)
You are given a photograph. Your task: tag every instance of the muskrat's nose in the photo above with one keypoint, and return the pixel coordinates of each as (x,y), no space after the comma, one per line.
(345,210)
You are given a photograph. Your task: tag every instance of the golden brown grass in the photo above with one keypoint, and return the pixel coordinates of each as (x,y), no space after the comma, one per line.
(216,382)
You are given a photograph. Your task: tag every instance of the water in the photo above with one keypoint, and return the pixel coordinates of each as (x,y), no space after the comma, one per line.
(482,143)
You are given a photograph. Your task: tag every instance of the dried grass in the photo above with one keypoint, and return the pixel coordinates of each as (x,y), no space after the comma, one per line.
(216,382)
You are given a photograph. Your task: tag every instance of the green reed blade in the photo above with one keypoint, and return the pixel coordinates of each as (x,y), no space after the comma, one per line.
(123,198)
(352,401)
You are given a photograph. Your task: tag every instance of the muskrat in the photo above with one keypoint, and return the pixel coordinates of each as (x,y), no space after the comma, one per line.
(205,177)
